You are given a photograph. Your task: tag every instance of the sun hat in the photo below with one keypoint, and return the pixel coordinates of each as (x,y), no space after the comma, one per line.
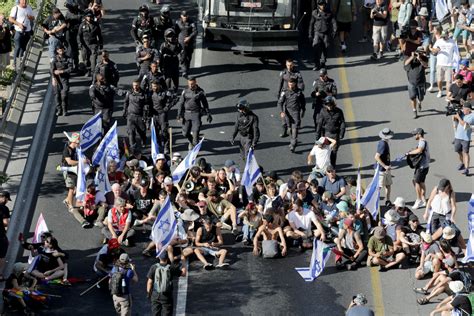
(342,206)
(124,258)
(392,217)
(386,133)
(379,232)
(456,286)
(399,202)
(189,215)
(448,233)
(423,12)
(427,238)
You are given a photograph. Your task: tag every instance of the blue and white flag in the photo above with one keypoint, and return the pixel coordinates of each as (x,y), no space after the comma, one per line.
(456,57)
(91,132)
(441,9)
(108,147)
(82,170)
(470,220)
(428,222)
(187,163)
(320,256)
(358,189)
(102,180)
(251,172)
(155,147)
(371,197)
(164,227)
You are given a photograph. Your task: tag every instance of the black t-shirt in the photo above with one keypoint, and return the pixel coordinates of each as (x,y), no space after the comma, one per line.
(142,203)
(69,152)
(415,73)
(459,93)
(378,21)
(384,151)
(4,213)
(462,304)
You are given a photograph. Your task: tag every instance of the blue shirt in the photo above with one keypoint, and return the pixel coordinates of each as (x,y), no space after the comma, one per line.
(333,187)
(462,132)
(127,277)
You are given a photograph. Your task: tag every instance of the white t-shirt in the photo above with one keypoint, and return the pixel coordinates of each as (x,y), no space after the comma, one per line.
(302,221)
(21,16)
(322,156)
(445,55)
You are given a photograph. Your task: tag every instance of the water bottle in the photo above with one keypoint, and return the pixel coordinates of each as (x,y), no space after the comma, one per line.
(124,285)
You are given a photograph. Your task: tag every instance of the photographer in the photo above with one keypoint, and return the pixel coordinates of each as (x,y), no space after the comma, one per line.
(357,306)
(379,30)
(462,123)
(413,39)
(415,66)
(458,92)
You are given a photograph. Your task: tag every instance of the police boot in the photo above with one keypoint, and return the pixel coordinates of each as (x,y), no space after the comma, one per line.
(59,111)
(64,110)
(284,131)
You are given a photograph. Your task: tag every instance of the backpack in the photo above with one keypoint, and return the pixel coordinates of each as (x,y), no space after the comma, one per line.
(163,281)
(269,249)
(117,283)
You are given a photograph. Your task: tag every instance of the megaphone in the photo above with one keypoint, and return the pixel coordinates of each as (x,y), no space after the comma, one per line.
(149,171)
(189,186)
(67,169)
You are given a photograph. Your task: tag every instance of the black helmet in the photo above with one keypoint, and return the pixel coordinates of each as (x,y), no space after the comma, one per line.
(165,9)
(143,8)
(329,100)
(169,32)
(243,104)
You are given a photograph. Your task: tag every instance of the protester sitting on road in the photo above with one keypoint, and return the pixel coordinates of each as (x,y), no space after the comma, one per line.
(456,304)
(223,209)
(333,183)
(381,251)
(410,237)
(89,213)
(119,221)
(430,260)
(322,156)
(452,234)
(269,231)
(208,242)
(48,266)
(357,307)
(19,280)
(106,257)
(350,244)
(402,210)
(393,228)
(328,205)
(116,192)
(225,186)
(115,175)
(465,72)
(301,221)
(442,204)
(252,220)
(270,199)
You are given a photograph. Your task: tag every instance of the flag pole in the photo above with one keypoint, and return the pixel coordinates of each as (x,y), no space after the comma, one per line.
(170,131)
(264,184)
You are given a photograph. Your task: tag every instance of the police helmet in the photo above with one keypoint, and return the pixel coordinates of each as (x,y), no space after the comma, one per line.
(243,104)
(89,13)
(165,9)
(143,8)
(329,100)
(169,32)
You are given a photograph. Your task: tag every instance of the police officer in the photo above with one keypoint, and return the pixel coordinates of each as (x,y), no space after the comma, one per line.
(153,75)
(289,72)
(164,22)
(145,56)
(192,105)
(102,96)
(322,87)
(292,108)
(161,103)
(108,69)
(187,32)
(321,27)
(61,68)
(142,25)
(136,112)
(331,124)
(73,21)
(247,127)
(90,39)
(170,51)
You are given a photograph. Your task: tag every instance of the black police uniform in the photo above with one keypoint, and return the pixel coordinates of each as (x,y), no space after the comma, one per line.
(292,103)
(325,88)
(163,23)
(192,105)
(102,97)
(246,126)
(61,90)
(321,27)
(136,112)
(332,124)
(109,71)
(143,25)
(90,38)
(144,65)
(150,76)
(285,76)
(186,29)
(73,20)
(169,62)
(161,103)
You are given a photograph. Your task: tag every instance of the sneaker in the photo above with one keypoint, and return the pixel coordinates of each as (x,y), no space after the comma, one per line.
(222,265)
(66,282)
(461,167)
(343,48)
(58,168)
(208,266)
(382,269)
(235,231)
(468,56)
(380,55)
(146,253)
(373,56)
(245,241)
(86,224)
(126,243)
(98,224)
(65,202)
(416,205)
(415,114)
(422,204)
(465,172)
(363,40)
(439,94)
(430,89)
(419,105)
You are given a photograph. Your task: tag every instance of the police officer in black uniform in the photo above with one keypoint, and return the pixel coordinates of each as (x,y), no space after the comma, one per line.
(191,106)
(289,72)
(143,24)
(322,27)
(322,87)
(145,55)
(331,124)
(247,127)
(61,68)
(73,20)
(187,32)
(153,75)
(292,108)
(161,103)
(108,69)
(164,22)
(102,96)
(90,39)
(136,112)
(170,51)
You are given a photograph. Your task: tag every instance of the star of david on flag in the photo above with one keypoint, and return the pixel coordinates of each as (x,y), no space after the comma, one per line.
(91,132)
(164,227)
(318,260)
(108,147)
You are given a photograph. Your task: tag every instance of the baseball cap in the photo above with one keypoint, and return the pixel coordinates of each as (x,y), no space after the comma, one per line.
(413,218)
(321,141)
(75,138)
(417,131)
(184,13)
(229,163)
(467,105)
(113,244)
(168,181)
(6,195)
(160,156)
(124,258)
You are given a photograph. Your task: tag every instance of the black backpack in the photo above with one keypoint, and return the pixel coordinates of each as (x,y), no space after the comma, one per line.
(117,281)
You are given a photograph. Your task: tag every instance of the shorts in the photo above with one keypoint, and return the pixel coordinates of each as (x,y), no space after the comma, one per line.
(420,175)
(379,34)
(444,72)
(208,251)
(344,26)
(416,91)
(385,179)
(3,247)
(71,181)
(461,145)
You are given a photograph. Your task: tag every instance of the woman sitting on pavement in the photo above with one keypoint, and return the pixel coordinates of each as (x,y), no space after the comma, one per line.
(350,244)
(431,256)
(456,304)
(252,220)
(48,265)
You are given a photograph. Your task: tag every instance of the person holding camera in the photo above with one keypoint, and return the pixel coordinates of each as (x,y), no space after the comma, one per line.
(379,30)
(462,123)
(415,66)
(357,307)
(458,92)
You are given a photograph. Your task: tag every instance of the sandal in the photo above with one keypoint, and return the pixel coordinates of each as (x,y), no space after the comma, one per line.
(420,290)
(423,300)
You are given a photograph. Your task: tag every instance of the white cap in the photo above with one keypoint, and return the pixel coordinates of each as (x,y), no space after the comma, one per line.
(160,156)
(168,181)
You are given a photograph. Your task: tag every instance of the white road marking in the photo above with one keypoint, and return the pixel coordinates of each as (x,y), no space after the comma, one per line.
(182,294)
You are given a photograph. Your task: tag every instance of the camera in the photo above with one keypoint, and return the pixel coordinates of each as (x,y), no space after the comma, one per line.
(453,109)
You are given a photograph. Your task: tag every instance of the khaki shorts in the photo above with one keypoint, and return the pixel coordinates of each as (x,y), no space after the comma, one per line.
(385,178)
(71,181)
(379,34)
(444,73)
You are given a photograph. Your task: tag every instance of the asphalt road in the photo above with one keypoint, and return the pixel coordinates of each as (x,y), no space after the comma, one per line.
(373,96)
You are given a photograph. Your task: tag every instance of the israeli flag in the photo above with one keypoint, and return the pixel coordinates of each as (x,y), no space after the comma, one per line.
(456,57)
(371,197)
(358,189)
(187,163)
(470,220)
(82,170)
(102,180)
(441,9)
(318,261)
(91,132)
(428,222)
(155,147)
(108,147)
(164,227)
(251,172)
